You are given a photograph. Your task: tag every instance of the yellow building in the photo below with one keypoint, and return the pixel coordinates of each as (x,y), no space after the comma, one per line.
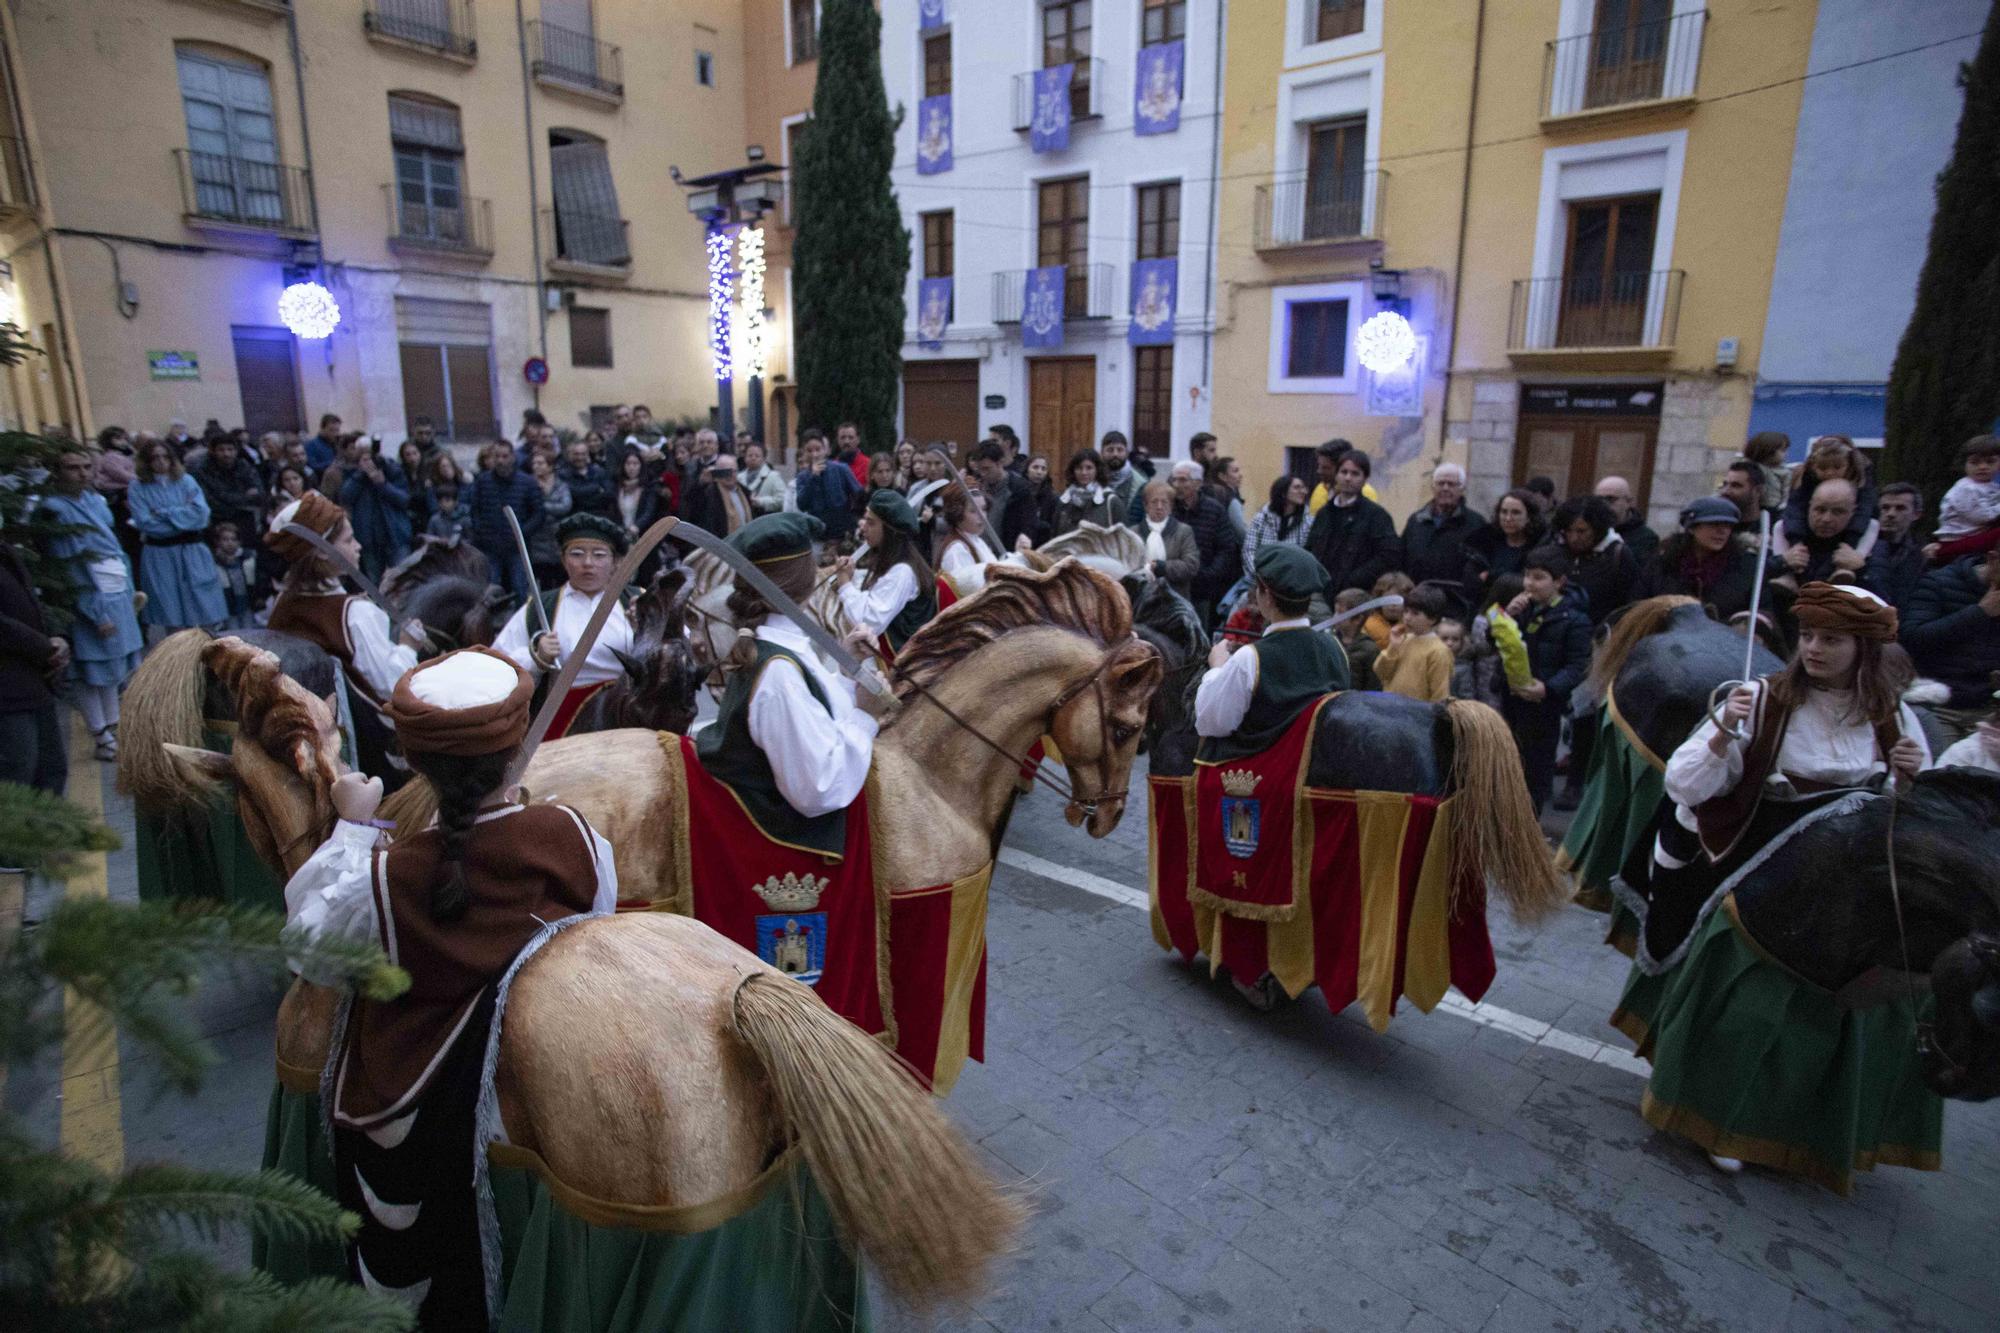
(1579,200)
(478,183)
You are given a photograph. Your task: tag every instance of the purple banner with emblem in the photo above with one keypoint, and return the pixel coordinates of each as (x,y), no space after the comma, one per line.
(1042,307)
(930,14)
(1048,131)
(933,311)
(1156,91)
(934,135)
(1155,287)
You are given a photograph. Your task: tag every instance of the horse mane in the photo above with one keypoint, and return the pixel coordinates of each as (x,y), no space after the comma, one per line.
(162,707)
(272,709)
(1641,620)
(1070,597)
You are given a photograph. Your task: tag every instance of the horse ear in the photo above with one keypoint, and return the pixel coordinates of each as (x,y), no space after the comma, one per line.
(1138,671)
(200,767)
(632,666)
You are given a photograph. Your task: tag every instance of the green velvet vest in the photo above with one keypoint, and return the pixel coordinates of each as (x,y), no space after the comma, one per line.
(922,609)
(1294,667)
(731,757)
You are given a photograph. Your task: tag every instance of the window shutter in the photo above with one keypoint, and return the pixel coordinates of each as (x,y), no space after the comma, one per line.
(424,125)
(586,204)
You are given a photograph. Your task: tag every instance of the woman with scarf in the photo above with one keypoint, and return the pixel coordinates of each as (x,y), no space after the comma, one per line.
(1750,1061)
(1502,546)
(1085,500)
(1706,560)
(898,595)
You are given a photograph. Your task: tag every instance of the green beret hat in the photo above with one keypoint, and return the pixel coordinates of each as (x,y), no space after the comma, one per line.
(778,536)
(1290,572)
(894,510)
(594,527)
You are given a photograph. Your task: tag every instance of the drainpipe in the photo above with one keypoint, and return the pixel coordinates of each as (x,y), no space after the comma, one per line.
(1464,211)
(1214,188)
(305,126)
(534,192)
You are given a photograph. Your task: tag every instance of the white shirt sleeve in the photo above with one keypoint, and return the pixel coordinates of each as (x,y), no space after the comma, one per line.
(605,898)
(1223,697)
(513,641)
(958,559)
(333,893)
(1696,773)
(380,660)
(820,764)
(874,609)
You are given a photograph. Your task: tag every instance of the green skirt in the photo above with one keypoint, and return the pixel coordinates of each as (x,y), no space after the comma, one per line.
(295,1142)
(205,854)
(1752,1061)
(1620,798)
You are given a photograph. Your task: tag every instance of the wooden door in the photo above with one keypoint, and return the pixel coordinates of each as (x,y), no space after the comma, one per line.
(941,403)
(267,379)
(1576,453)
(1062,408)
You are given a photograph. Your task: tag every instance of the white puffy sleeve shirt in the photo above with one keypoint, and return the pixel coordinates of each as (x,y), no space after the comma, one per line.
(1824,743)
(573,612)
(379,659)
(819,756)
(874,608)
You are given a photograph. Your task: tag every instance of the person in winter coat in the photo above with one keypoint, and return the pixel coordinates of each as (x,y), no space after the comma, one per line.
(589,484)
(1555,628)
(1896,565)
(764,483)
(1952,629)
(1831,456)
(1352,536)
(1220,553)
(1600,566)
(1502,546)
(31,661)
(234,491)
(557,502)
(1086,499)
(376,496)
(1628,523)
(1171,551)
(499,488)
(105,640)
(1707,560)
(1435,537)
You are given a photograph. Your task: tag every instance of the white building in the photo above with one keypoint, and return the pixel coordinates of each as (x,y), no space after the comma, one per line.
(1112,197)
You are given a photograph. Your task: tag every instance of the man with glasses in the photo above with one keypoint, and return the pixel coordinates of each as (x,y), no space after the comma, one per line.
(591,546)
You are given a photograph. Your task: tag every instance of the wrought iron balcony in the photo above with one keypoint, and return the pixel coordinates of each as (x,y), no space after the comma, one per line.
(1319,212)
(575,61)
(1087,293)
(465,231)
(17,188)
(594,243)
(1086,94)
(236,192)
(442,27)
(1623,312)
(1623,65)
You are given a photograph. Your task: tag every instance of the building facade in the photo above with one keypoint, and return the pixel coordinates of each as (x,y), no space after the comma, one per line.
(476,190)
(1055,164)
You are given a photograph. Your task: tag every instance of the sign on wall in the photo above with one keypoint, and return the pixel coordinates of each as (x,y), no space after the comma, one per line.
(174,365)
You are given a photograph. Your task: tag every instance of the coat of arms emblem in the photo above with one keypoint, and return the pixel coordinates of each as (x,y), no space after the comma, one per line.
(1242,813)
(1155,307)
(933,315)
(1161,96)
(934,139)
(1051,110)
(792,938)
(1043,311)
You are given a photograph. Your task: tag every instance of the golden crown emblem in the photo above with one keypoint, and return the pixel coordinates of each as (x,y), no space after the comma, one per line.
(792,894)
(1240,781)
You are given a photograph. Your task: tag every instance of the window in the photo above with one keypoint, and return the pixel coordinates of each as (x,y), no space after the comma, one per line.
(1338,18)
(1159,221)
(804,28)
(588,228)
(1063,237)
(232,140)
(1607,271)
(430,169)
(1628,51)
(940,250)
(1311,329)
(589,337)
(1163,21)
(1317,346)
(446,352)
(1066,39)
(704,68)
(1153,399)
(937,64)
(1335,186)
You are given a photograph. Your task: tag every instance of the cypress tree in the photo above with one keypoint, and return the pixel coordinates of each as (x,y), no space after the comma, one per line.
(1945,387)
(852,253)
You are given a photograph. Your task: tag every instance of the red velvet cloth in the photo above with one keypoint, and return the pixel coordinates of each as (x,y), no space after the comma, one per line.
(1255,870)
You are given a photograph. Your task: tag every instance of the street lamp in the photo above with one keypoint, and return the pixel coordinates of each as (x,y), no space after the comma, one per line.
(730,204)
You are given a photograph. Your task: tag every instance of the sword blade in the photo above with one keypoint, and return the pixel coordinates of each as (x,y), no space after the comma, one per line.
(345,566)
(1393,599)
(528,567)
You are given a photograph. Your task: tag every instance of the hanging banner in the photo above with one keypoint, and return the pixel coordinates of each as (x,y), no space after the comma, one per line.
(1155,288)
(1048,132)
(1042,307)
(934,135)
(930,14)
(1156,91)
(933,311)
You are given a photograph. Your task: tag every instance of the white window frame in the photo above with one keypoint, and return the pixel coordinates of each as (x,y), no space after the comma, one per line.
(1571,73)
(1307,97)
(1603,170)
(785,24)
(785,160)
(1282,299)
(1302,16)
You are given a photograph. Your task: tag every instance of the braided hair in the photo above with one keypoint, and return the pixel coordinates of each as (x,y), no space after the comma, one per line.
(461,783)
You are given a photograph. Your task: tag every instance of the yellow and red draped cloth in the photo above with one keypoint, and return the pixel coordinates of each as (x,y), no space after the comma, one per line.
(572,704)
(829,921)
(1375,915)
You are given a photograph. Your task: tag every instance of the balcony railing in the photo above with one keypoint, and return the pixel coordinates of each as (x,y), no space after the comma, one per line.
(465,230)
(1617,66)
(443,26)
(266,195)
(575,60)
(590,240)
(17,189)
(1086,94)
(1087,293)
(1630,311)
(1319,212)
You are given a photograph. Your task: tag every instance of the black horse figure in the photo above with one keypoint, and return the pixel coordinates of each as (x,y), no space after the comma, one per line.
(447,585)
(661,674)
(1167,620)
(1663,659)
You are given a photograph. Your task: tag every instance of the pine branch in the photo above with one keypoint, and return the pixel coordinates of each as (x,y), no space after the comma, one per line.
(276,1203)
(44,834)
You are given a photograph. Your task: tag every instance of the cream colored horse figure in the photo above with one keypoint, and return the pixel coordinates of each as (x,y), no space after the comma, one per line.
(647,1060)
(711,627)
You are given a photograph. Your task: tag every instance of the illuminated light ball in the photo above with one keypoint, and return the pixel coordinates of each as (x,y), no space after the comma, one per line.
(1385,342)
(308,310)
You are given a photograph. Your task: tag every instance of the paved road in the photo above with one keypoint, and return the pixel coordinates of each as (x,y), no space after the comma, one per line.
(1195,1165)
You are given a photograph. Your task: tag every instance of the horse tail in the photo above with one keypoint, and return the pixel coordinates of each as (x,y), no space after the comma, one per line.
(1641,620)
(905,1189)
(163,706)
(411,807)
(1499,836)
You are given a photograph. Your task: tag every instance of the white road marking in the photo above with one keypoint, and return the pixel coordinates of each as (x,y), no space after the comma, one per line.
(1531,1030)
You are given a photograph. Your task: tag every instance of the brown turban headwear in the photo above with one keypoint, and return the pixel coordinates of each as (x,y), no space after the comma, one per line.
(471,702)
(314,512)
(1845,609)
